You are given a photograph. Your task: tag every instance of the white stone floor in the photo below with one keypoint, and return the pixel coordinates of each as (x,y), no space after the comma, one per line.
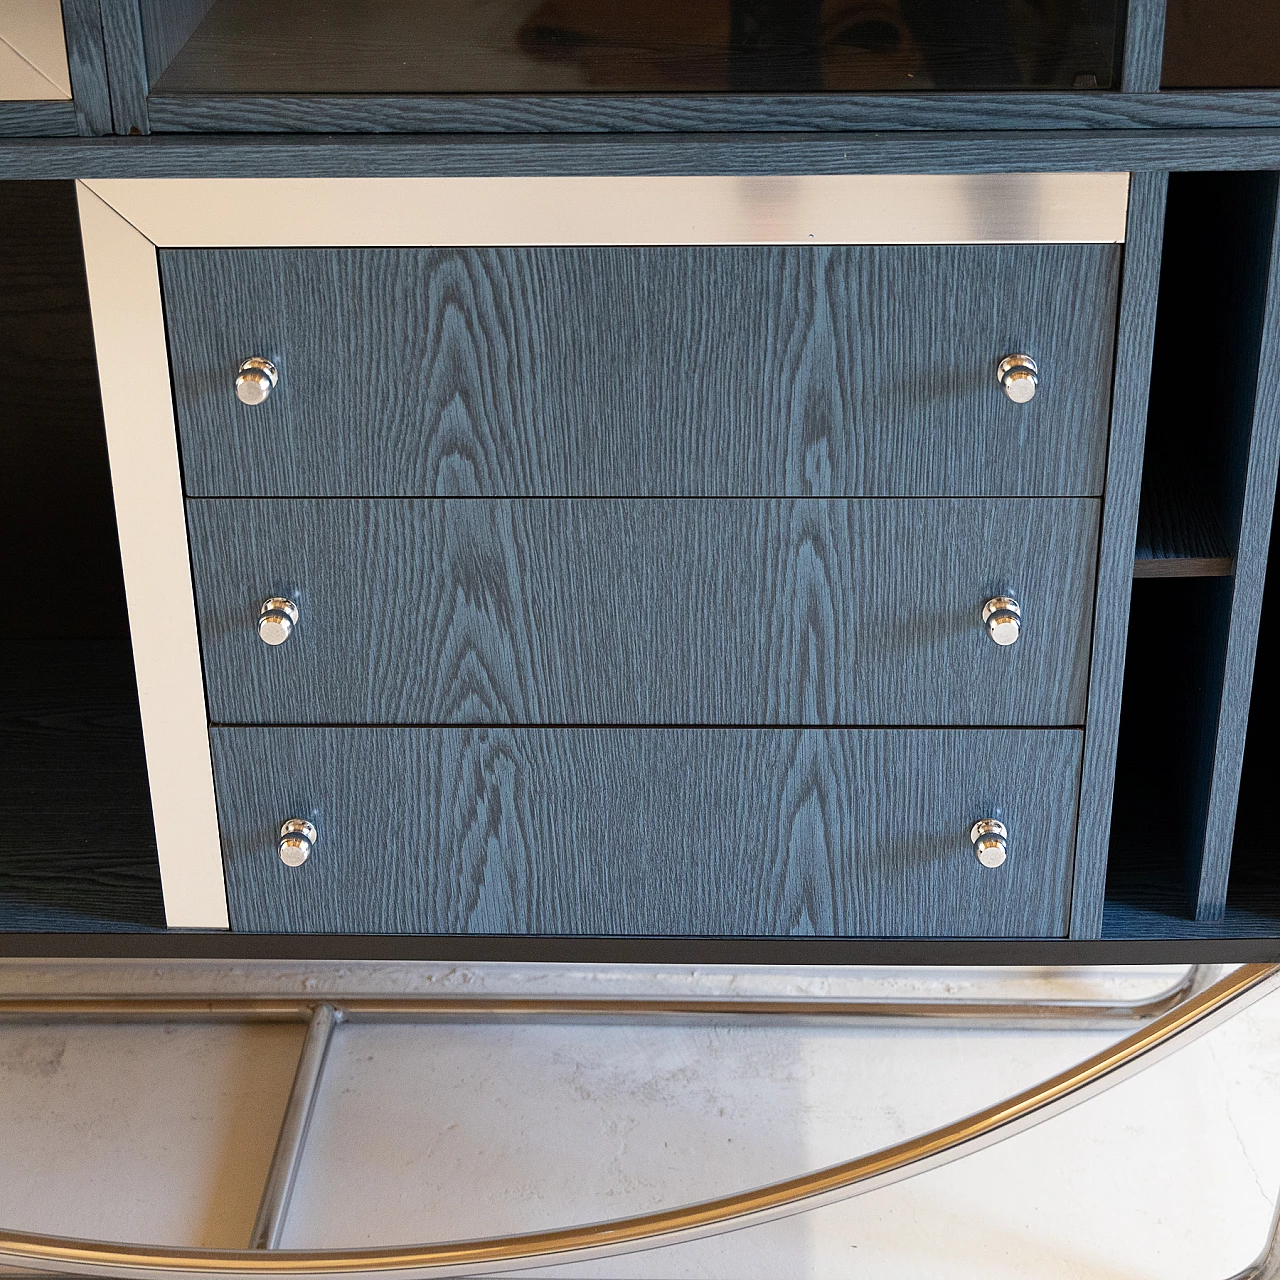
(164,1133)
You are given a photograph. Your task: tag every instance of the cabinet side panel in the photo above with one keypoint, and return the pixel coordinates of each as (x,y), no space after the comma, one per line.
(1252,506)
(128,327)
(1135,338)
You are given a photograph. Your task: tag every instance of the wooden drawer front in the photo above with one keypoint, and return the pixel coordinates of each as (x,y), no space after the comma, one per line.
(775,371)
(648,831)
(649,611)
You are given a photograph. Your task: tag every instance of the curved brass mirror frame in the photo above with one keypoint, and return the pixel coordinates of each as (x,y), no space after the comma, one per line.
(1127,1057)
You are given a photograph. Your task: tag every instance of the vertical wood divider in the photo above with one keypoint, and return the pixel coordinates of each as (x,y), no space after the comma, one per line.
(1143,46)
(1254,513)
(1135,341)
(87,66)
(126,65)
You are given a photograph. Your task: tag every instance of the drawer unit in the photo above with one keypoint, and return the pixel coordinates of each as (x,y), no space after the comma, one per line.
(649,831)
(643,556)
(758,370)
(648,611)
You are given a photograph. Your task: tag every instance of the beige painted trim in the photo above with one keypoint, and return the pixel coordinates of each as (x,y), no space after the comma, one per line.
(133,363)
(125,220)
(1001,208)
(33,52)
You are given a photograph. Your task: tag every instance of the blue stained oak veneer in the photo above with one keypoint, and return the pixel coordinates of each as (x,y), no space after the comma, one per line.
(664,371)
(645,611)
(746,832)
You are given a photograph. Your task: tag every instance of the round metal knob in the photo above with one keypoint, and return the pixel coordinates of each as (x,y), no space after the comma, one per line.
(297,837)
(1019,376)
(989,838)
(255,379)
(277,620)
(1003,618)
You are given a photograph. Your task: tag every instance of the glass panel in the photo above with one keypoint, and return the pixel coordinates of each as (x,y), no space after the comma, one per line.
(1225,44)
(659,46)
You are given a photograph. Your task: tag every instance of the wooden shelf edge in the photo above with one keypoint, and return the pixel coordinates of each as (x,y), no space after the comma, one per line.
(1183,567)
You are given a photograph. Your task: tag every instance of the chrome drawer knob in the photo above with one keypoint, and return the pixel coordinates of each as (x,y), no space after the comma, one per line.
(989,838)
(255,379)
(1019,376)
(297,837)
(277,620)
(1002,616)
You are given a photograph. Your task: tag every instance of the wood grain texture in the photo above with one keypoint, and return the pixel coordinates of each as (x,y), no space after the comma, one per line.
(1183,734)
(1135,339)
(77,849)
(87,65)
(1258,407)
(649,371)
(37,119)
(1184,567)
(801,113)
(1161,913)
(632,46)
(645,612)
(1143,46)
(167,26)
(1217,241)
(648,831)
(389,155)
(126,65)
(1165,752)
(53,440)
(1181,527)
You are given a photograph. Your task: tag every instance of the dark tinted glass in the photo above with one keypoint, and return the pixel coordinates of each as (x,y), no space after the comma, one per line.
(658,46)
(1226,44)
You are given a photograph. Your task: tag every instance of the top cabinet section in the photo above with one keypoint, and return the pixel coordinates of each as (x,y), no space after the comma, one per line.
(1221,44)
(371,47)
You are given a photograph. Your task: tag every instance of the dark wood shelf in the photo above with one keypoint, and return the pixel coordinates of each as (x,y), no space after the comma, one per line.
(1180,534)
(1183,567)
(77,845)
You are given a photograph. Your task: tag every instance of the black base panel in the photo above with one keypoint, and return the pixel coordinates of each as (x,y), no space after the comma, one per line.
(648,951)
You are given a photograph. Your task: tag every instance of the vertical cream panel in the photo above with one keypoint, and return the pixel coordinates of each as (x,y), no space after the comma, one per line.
(128,328)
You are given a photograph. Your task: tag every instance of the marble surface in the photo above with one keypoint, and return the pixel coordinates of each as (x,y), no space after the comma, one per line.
(461,1129)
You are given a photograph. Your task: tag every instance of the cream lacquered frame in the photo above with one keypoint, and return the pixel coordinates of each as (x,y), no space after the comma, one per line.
(33,53)
(125,221)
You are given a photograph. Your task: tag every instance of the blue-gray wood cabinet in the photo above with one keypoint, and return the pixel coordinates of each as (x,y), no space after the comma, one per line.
(641,590)
(646,611)
(649,831)
(744,371)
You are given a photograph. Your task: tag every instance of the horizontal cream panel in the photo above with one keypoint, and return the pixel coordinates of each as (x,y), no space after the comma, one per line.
(832,209)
